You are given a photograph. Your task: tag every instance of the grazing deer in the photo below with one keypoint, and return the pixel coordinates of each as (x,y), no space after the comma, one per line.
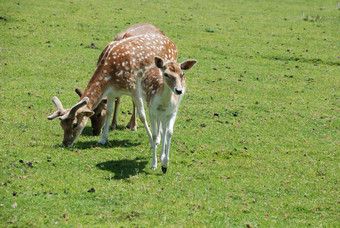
(98,119)
(163,86)
(118,73)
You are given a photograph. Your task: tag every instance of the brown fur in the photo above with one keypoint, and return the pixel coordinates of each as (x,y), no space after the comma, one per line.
(97,120)
(122,62)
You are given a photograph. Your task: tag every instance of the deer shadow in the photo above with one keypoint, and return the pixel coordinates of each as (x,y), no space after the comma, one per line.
(87,131)
(123,169)
(109,144)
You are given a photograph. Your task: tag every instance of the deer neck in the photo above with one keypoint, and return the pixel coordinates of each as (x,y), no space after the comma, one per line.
(166,93)
(96,88)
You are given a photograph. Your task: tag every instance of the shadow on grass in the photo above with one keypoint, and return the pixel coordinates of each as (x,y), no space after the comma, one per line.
(87,131)
(109,144)
(123,169)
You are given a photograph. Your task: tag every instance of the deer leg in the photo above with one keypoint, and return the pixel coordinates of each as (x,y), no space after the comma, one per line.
(141,112)
(132,125)
(168,130)
(115,114)
(155,132)
(109,110)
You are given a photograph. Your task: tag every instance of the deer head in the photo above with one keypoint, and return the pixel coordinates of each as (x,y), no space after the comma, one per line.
(72,120)
(173,75)
(98,118)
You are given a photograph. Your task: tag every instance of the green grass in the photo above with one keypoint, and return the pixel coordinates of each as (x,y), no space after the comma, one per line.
(256,141)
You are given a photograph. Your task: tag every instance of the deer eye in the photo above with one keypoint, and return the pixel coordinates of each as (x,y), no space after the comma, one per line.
(166,75)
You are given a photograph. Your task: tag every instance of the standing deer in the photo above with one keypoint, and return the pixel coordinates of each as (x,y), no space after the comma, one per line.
(98,119)
(118,73)
(163,86)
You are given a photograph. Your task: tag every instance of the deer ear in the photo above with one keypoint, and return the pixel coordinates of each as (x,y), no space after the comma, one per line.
(159,62)
(186,65)
(87,113)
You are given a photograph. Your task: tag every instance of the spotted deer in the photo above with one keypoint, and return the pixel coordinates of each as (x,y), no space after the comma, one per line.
(118,73)
(163,86)
(98,119)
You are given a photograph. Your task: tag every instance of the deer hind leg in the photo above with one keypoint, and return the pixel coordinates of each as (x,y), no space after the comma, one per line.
(132,125)
(141,112)
(115,114)
(109,110)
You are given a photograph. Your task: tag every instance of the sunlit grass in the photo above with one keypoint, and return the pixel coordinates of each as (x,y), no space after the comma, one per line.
(255,143)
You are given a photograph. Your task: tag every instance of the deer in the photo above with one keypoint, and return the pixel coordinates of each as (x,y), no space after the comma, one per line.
(119,72)
(163,86)
(98,119)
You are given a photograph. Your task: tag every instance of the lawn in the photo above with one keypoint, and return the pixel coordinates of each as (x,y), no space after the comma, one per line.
(256,142)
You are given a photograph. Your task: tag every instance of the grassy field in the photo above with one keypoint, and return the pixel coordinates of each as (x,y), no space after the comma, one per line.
(256,142)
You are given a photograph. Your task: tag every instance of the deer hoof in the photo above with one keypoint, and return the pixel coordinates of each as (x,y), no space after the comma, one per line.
(164,169)
(102,141)
(132,128)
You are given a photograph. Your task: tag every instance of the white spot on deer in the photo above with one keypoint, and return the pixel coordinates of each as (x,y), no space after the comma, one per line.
(107,78)
(104,71)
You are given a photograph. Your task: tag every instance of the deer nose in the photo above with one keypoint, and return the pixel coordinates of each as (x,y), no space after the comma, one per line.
(178,91)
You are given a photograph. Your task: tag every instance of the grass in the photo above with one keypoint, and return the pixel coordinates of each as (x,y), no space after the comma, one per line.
(257,137)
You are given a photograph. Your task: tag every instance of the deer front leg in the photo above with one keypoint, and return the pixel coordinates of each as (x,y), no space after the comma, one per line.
(132,125)
(109,110)
(168,129)
(115,114)
(155,135)
(141,112)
